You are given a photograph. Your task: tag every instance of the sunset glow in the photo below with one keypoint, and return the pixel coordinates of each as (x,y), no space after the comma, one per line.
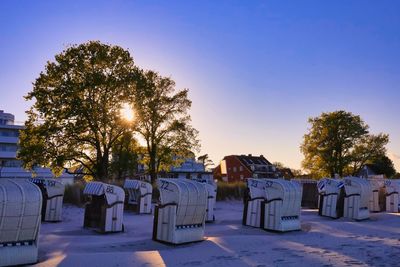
(127,112)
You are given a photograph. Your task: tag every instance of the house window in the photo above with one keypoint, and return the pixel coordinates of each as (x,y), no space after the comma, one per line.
(234,169)
(241,168)
(241,177)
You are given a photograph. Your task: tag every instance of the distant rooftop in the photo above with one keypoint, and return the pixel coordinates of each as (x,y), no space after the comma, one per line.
(189,165)
(6,118)
(250,160)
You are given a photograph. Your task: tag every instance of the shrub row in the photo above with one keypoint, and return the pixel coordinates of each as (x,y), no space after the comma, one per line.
(226,191)
(74,193)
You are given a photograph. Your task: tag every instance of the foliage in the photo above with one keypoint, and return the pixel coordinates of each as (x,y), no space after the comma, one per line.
(75,120)
(339,143)
(206,161)
(297,172)
(228,191)
(125,157)
(383,165)
(163,122)
(370,148)
(73,194)
(281,166)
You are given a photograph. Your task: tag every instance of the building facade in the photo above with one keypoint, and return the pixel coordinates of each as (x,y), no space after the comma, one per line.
(9,135)
(189,169)
(10,167)
(235,168)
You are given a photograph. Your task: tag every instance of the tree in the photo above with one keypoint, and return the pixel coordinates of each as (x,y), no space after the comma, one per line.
(383,165)
(370,148)
(297,172)
(281,166)
(339,143)
(163,122)
(76,120)
(125,157)
(206,161)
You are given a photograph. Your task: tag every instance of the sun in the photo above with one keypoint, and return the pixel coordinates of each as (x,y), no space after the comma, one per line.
(127,112)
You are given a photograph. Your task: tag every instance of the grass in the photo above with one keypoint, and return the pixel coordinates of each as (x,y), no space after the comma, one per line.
(228,191)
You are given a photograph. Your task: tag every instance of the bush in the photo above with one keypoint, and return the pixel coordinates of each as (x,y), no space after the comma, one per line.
(74,193)
(228,191)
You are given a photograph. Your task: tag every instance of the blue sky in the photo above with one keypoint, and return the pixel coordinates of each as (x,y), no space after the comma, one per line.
(256,70)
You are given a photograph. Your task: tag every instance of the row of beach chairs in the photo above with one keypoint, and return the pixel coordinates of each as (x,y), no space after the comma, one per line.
(355,197)
(184,207)
(25,203)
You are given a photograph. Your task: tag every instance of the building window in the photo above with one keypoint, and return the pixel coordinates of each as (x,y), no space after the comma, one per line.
(8,147)
(241,168)
(241,177)
(11,163)
(234,169)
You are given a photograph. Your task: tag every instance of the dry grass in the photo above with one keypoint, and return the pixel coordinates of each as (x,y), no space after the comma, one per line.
(227,191)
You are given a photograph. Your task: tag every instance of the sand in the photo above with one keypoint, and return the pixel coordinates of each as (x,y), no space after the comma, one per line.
(321,242)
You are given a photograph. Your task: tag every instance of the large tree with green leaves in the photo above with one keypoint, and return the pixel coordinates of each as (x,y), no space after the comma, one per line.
(383,165)
(163,122)
(339,143)
(125,157)
(75,119)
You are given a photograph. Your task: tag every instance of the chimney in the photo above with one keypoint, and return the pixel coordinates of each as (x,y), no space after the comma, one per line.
(250,155)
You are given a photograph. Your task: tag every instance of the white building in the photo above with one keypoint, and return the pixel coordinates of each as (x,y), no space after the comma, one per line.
(9,134)
(190,169)
(10,167)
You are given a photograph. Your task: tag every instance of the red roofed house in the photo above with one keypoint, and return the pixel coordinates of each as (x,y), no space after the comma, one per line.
(238,167)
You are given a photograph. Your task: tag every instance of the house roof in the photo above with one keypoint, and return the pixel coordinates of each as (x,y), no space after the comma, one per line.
(255,164)
(250,160)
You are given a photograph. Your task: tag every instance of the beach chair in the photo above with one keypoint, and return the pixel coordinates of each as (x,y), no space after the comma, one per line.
(180,216)
(20,215)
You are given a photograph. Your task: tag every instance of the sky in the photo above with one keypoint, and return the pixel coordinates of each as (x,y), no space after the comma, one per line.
(255,70)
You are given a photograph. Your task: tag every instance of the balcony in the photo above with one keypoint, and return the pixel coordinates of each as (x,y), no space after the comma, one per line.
(8,139)
(262,168)
(12,126)
(8,154)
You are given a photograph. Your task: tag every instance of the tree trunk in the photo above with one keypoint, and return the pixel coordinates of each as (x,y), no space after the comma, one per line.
(102,168)
(153,165)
